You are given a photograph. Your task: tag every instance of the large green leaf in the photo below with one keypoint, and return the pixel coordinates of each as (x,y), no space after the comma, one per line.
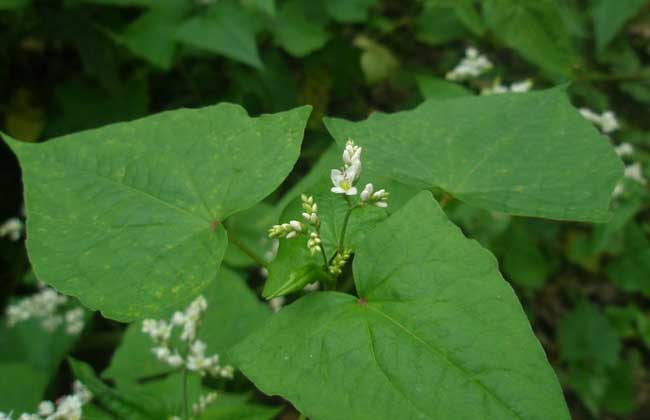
(436,334)
(128,217)
(528,154)
(233,312)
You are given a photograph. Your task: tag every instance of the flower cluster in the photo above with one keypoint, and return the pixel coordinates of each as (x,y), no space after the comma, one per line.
(204,401)
(336,266)
(517,87)
(471,66)
(68,407)
(295,228)
(287,230)
(607,121)
(46,305)
(12,228)
(195,360)
(344,178)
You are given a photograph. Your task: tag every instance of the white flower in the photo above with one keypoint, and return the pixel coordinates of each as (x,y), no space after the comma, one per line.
(314,243)
(69,407)
(311,210)
(5,416)
(204,401)
(366,193)
(377,198)
(288,230)
(351,154)
(517,87)
(522,86)
(46,408)
(26,416)
(471,66)
(607,122)
(344,181)
(624,149)
(276,304)
(635,172)
(44,305)
(12,228)
(74,320)
(161,352)
(175,360)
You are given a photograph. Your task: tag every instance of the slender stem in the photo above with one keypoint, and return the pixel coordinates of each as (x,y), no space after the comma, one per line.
(246,250)
(322,249)
(186,410)
(346,219)
(302,417)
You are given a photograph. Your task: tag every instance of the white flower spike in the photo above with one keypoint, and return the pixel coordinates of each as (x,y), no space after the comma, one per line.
(13,228)
(607,121)
(471,66)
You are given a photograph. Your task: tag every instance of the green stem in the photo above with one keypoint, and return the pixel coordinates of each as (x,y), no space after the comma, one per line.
(346,219)
(246,250)
(322,250)
(186,409)
(302,417)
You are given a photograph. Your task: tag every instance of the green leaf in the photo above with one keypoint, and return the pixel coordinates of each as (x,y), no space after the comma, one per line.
(152,36)
(523,260)
(131,405)
(610,16)
(22,387)
(434,88)
(224,29)
(377,62)
(438,23)
(238,406)
(300,27)
(294,264)
(128,217)
(436,334)
(536,30)
(233,312)
(29,358)
(528,154)
(349,11)
(586,335)
(250,229)
(631,270)
(13,4)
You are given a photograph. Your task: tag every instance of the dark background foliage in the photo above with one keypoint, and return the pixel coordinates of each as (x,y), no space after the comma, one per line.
(70,65)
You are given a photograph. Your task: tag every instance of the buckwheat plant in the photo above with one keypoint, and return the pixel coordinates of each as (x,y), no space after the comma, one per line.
(344,180)
(191,356)
(47,306)
(68,407)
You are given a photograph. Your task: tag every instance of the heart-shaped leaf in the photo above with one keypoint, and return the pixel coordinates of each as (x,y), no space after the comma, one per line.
(128,217)
(529,154)
(436,334)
